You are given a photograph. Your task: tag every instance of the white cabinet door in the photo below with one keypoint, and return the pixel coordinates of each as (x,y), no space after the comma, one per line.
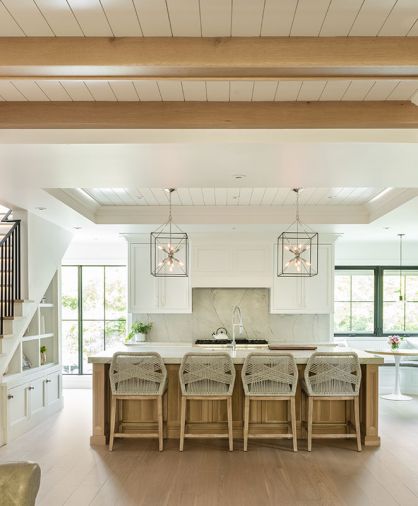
(302,295)
(287,295)
(36,391)
(17,407)
(148,294)
(319,289)
(53,388)
(175,295)
(142,285)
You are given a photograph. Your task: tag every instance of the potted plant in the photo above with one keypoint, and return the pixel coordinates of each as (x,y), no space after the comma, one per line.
(43,350)
(139,331)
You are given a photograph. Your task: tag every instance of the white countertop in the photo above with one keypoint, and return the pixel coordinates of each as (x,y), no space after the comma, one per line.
(172,353)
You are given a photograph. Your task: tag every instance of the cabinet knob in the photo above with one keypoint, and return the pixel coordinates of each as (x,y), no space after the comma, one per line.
(48,381)
(10,396)
(31,388)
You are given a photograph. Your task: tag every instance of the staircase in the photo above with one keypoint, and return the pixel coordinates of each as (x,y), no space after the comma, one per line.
(11,305)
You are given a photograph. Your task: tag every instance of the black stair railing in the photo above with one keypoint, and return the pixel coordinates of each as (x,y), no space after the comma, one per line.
(10,289)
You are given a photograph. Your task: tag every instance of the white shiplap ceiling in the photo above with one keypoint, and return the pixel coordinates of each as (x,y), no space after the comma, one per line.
(212,91)
(230,196)
(208,18)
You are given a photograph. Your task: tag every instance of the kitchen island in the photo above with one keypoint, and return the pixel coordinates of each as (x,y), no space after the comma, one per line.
(210,416)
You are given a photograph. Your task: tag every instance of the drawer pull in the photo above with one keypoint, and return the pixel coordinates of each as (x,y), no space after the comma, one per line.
(31,388)
(48,381)
(10,396)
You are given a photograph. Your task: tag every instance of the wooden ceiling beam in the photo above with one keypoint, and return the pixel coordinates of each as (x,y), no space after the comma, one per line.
(209,58)
(208,115)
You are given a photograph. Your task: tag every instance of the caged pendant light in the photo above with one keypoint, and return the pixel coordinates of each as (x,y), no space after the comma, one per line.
(169,247)
(297,249)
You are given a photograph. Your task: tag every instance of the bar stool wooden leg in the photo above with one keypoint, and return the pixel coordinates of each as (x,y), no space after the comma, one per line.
(293,419)
(246,421)
(160,422)
(182,421)
(112,422)
(230,434)
(310,418)
(357,422)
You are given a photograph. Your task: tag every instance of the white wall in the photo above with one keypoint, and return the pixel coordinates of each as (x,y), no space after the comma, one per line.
(96,251)
(46,245)
(375,252)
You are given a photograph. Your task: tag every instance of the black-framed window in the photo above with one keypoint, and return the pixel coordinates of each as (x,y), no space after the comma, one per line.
(375,300)
(94,306)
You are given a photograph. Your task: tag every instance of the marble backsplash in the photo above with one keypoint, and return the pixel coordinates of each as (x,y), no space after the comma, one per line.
(212,308)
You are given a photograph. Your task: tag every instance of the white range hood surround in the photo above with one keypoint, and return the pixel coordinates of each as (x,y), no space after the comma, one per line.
(237,260)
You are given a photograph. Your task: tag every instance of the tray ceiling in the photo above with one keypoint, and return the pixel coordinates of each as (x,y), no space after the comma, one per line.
(230,196)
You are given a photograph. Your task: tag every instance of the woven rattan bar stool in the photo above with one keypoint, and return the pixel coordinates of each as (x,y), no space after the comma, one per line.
(137,376)
(209,377)
(270,377)
(333,377)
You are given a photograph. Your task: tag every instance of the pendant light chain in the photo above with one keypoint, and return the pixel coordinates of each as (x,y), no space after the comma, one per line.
(170,218)
(401,294)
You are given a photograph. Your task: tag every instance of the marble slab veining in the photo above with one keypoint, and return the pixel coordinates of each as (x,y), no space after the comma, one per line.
(212,308)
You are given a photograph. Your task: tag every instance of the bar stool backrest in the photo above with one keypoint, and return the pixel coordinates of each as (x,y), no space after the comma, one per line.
(270,374)
(207,374)
(333,374)
(137,373)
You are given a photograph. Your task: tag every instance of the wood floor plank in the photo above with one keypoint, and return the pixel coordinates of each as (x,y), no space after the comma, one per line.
(207,474)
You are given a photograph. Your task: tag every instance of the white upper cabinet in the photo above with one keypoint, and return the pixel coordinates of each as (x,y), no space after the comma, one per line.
(148,294)
(319,290)
(143,289)
(293,295)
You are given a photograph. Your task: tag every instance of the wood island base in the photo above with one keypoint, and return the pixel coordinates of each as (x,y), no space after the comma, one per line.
(207,417)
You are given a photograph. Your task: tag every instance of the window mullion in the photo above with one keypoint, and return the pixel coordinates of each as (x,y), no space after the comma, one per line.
(80,319)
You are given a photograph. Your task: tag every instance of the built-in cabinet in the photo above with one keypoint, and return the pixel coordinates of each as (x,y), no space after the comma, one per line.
(32,385)
(306,295)
(230,264)
(150,294)
(30,398)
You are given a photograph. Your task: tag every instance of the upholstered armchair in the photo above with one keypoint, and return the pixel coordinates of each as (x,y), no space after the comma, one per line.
(19,483)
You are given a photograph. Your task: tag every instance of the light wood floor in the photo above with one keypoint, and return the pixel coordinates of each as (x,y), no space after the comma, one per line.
(206,474)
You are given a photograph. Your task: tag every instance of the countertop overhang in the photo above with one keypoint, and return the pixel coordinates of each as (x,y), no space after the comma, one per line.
(172,353)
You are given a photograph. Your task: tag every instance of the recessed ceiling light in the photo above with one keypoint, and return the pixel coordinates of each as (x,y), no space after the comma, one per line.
(77,228)
(240,176)
(40,208)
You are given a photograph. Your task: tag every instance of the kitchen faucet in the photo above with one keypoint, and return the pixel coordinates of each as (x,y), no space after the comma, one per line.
(236,315)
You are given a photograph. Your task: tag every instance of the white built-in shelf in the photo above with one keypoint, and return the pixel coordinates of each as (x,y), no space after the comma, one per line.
(12,376)
(40,336)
